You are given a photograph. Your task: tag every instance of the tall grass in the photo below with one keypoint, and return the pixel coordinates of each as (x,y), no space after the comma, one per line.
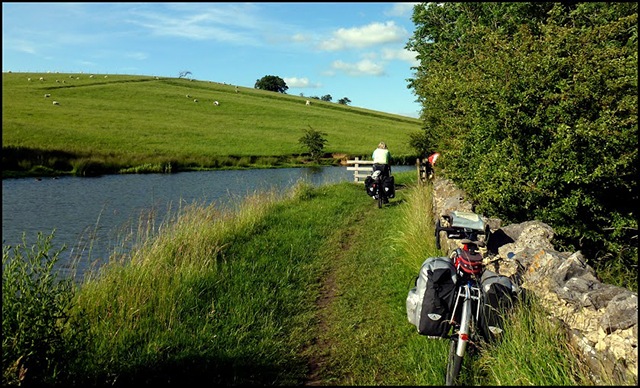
(535,350)
(40,340)
(249,294)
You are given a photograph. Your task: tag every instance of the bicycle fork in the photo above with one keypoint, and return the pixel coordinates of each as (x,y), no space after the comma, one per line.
(467,293)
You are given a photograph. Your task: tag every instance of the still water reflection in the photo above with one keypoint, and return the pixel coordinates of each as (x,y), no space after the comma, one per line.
(92,215)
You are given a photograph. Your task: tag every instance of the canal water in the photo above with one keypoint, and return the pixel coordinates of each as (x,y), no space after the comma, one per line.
(93,217)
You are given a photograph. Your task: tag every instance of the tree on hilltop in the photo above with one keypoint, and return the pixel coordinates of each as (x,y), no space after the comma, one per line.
(271,83)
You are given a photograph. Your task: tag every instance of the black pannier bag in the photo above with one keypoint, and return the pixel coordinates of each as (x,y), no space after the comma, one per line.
(389,186)
(368,185)
(430,302)
(499,294)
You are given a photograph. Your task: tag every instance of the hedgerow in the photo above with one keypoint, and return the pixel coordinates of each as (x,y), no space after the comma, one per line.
(533,107)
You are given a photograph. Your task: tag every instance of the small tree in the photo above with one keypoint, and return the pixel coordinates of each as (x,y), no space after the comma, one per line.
(314,142)
(184,73)
(326,97)
(271,83)
(344,101)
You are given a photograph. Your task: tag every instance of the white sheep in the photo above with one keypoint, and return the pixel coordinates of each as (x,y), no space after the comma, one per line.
(29,79)
(57,81)
(47,95)
(105,76)
(216,103)
(41,78)
(91,76)
(308,102)
(188,96)
(56,103)
(196,100)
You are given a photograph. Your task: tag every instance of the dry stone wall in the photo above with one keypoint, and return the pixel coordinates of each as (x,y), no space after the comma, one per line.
(601,319)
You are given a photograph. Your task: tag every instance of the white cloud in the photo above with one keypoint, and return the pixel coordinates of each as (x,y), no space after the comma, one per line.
(400,54)
(400,9)
(300,38)
(363,37)
(364,67)
(139,56)
(234,24)
(295,82)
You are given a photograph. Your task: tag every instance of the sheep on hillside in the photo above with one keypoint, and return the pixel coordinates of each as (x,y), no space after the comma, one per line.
(196,100)
(308,102)
(29,79)
(47,95)
(188,96)
(41,78)
(56,103)
(216,103)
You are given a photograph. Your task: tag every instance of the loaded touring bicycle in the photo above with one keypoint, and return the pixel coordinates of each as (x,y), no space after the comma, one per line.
(455,297)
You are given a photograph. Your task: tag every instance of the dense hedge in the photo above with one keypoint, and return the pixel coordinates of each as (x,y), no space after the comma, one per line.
(534,108)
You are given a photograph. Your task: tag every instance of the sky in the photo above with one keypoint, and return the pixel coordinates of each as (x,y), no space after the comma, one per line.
(352,50)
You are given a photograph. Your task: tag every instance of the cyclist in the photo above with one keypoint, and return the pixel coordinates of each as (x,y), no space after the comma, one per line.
(382,162)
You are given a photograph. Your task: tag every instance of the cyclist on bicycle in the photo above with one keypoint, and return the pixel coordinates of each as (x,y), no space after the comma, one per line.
(382,162)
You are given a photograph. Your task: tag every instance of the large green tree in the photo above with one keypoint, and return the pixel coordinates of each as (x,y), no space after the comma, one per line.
(533,107)
(272,83)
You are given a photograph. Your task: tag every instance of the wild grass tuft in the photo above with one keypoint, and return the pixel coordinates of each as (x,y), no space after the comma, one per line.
(39,339)
(535,350)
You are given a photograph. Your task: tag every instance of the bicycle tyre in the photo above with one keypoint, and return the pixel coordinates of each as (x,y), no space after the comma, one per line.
(379,201)
(454,363)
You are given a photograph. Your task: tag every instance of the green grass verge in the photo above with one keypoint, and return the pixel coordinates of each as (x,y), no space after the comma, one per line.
(305,288)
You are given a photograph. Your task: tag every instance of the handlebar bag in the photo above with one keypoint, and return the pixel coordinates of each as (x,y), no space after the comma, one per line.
(499,294)
(430,302)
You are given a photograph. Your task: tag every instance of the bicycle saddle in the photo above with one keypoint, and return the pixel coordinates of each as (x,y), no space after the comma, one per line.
(479,244)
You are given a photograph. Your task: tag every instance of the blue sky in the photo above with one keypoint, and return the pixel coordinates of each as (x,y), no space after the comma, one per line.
(353,50)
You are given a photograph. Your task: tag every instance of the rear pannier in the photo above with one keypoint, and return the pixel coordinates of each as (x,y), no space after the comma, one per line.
(369,186)
(499,294)
(389,186)
(430,302)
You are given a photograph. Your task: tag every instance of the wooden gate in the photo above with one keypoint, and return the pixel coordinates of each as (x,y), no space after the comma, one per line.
(361,169)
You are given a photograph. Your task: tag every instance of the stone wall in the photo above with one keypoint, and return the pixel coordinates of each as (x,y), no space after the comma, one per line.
(601,319)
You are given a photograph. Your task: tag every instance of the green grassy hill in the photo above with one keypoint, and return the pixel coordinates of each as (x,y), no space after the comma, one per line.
(121,121)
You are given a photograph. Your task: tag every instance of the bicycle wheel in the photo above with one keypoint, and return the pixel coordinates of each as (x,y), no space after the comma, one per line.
(454,363)
(379,201)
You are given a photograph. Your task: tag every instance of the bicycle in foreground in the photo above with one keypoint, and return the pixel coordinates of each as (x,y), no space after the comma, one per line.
(466,310)
(456,298)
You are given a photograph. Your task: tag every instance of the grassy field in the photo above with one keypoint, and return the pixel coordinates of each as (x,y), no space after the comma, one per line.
(308,288)
(122,121)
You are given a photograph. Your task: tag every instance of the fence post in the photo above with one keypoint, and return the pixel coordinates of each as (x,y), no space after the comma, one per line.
(355,173)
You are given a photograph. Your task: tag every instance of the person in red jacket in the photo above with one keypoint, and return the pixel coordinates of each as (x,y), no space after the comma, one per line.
(432,162)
